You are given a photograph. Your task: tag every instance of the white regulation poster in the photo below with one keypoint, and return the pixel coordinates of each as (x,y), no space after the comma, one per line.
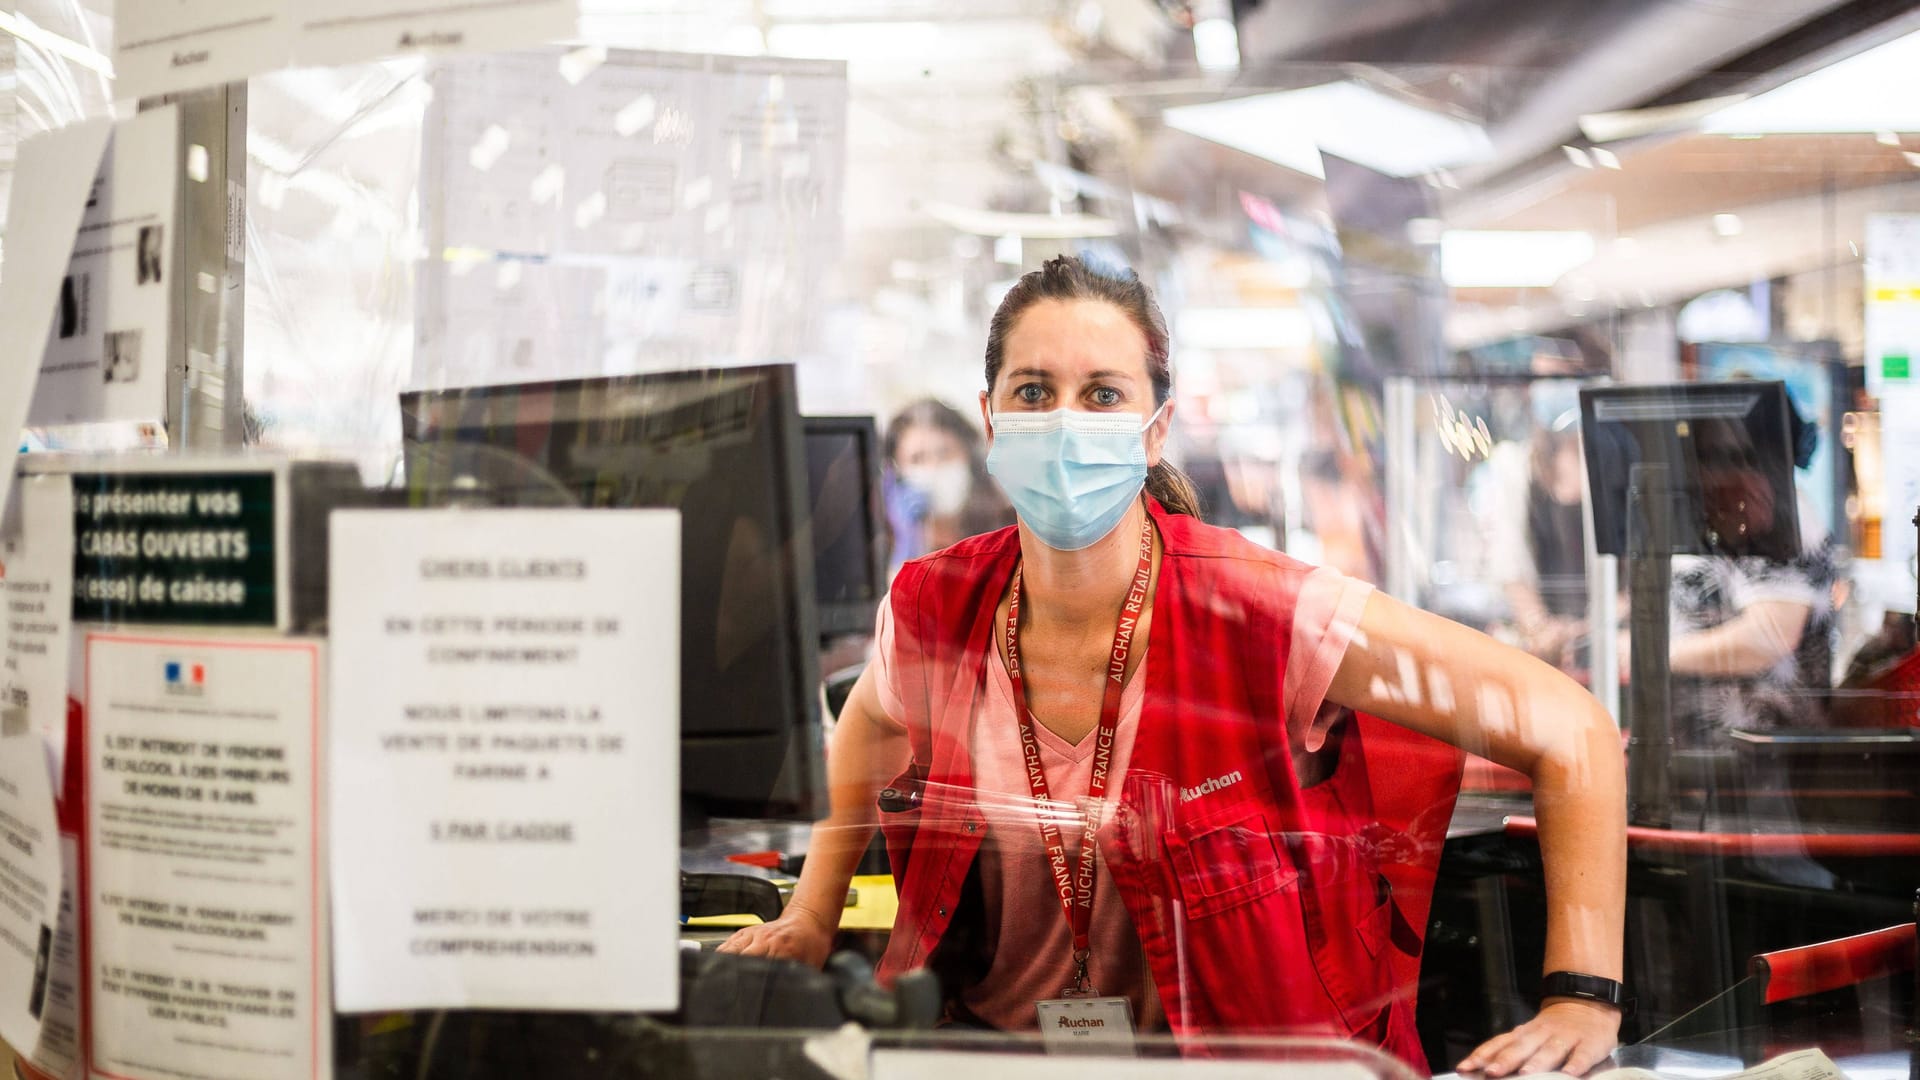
(202,872)
(505,758)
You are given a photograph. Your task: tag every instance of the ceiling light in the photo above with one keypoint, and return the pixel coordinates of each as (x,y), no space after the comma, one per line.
(1493,258)
(1424,230)
(1348,119)
(1912,158)
(1001,223)
(1604,158)
(1874,91)
(1631,123)
(1578,156)
(1242,328)
(1216,44)
(34,34)
(1727,225)
(1887,138)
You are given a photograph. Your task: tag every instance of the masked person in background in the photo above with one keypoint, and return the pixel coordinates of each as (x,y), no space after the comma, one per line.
(1101,744)
(937,488)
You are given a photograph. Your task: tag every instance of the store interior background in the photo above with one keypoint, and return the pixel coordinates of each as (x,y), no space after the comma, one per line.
(1556,188)
(979,142)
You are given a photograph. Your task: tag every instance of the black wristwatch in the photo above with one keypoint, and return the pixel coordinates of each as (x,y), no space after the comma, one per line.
(1573,984)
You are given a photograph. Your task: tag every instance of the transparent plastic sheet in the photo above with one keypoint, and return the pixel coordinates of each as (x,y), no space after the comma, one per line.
(435,1047)
(40,89)
(332,250)
(596,211)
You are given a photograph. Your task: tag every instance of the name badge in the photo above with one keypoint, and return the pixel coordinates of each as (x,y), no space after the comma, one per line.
(1088,1025)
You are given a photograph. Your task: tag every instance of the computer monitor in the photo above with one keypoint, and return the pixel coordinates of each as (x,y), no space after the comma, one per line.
(849,522)
(1728,459)
(724,447)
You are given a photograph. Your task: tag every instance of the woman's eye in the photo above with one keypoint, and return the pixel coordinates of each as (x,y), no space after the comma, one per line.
(1030,393)
(1106,396)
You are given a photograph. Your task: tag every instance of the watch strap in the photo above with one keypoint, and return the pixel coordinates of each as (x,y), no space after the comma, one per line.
(1576,984)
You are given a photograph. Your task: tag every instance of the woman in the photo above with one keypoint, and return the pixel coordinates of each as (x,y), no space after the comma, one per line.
(938,493)
(1197,727)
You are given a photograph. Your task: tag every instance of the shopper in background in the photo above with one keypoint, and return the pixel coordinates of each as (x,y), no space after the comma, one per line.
(1751,637)
(1536,527)
(938,492)
(1229,894)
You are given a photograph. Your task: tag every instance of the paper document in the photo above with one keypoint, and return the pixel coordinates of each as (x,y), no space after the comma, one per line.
(203,859)
(891,1064)
(505,758)
(51,178)
(1799,1065)
(57,1056)
(30,874)
(39,625)
(106,357)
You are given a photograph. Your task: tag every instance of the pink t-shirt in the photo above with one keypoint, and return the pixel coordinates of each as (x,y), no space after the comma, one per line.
(1032,952)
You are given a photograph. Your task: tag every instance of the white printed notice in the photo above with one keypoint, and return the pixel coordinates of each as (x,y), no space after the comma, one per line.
(39,591)
(29,886)
(203,859)
(505,759)
(58,1055)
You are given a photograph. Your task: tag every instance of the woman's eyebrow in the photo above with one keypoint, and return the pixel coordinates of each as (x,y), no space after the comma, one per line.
(1042,373)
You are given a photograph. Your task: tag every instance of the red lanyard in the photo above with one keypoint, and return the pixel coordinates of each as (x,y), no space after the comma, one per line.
(1075,886)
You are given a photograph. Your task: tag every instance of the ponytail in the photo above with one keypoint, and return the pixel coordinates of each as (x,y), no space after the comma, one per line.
(1173,489)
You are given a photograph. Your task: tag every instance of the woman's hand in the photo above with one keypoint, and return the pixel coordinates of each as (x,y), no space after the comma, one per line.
(796,935)
(1569,1035)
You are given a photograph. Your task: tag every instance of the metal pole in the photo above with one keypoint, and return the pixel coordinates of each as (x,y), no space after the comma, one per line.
(1650,574)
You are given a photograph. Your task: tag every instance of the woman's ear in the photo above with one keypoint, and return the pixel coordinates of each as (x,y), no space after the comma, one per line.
(1156,434)
(986,417)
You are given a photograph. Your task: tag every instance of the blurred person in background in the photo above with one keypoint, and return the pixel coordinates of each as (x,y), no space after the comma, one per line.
(1751,644)
(937,490)
(1536,528)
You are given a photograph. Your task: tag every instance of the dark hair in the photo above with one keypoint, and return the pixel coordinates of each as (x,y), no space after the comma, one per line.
(1065,277)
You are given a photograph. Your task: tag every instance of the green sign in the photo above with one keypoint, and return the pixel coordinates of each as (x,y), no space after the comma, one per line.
(178,548)
(1895,366)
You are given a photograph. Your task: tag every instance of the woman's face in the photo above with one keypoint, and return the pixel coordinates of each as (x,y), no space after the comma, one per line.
(1085,355)
(923,446)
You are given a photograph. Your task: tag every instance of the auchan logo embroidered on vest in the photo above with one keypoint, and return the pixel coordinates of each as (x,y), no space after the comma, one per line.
(1188,794)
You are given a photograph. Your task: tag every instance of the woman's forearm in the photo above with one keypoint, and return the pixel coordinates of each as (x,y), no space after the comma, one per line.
(1579,796)
(866,752)
(1748,644)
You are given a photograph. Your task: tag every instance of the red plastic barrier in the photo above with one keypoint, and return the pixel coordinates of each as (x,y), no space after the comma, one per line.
(1830,965)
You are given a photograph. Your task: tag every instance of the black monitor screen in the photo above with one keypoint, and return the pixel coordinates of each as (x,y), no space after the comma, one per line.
(843,479)
(1727,457)
(723,447)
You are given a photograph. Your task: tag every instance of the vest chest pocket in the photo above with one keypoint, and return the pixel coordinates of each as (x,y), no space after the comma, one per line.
(1226,862)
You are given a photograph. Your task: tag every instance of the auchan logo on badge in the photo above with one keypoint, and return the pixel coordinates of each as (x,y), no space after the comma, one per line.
(1188,794)
(1081,1022)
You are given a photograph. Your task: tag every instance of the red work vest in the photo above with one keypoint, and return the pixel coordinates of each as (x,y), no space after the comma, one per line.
(1264,908)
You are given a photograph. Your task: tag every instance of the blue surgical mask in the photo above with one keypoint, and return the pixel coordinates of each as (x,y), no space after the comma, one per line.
(1071,475)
